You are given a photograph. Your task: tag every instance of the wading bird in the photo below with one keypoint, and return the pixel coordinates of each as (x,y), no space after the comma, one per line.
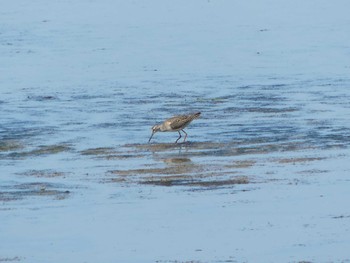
(176,123)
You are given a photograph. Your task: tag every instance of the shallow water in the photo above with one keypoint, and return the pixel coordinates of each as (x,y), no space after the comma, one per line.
(262,176)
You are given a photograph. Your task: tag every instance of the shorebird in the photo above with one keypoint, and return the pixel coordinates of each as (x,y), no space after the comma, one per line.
(176,123)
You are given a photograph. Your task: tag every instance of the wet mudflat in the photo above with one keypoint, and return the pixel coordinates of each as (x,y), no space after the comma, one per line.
(243,177)
(262,177)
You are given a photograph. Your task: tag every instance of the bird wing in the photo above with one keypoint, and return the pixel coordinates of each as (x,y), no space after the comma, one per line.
(179,122)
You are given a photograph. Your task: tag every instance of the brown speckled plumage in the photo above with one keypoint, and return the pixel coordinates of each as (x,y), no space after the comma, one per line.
(176,123)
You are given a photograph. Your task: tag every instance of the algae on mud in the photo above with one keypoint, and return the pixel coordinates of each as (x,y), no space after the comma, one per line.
(39,150)
(12,259)
(214,183)
(10,145)
(110,153)
(27,190)
(43,173)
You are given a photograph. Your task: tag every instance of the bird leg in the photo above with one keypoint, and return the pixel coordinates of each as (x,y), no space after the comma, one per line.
(179,136)
(185,135)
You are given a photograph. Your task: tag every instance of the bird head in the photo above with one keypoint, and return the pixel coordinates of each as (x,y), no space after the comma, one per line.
(155,128)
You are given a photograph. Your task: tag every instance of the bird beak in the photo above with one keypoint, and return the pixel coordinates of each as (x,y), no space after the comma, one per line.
(151,136)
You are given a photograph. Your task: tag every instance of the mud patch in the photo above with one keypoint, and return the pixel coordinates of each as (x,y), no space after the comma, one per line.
(177,160)
(192,182)
(43,173)
(313,172)
(22,191)
(10,145)
(110,153)
(239,147)
(173,165)
(180,171)
(341,217)
(241,164)
(98,151)
(13,259)
(263,110)
(299,160)
(42,150)
(50,149)
(41,97)
(171,170)
(156,147)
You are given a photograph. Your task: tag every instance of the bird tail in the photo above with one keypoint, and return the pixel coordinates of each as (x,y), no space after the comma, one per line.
(196,115)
